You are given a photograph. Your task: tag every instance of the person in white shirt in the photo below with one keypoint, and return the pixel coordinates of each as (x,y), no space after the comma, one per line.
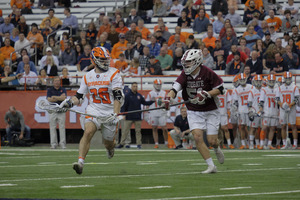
(21,43)
(43,62)
(29,77)
(292,7)
(234,18)
(176,9)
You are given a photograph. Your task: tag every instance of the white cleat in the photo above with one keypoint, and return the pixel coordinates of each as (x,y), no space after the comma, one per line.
(110,153)
(266,147)
(78,167)
(284,147)
(211,169)
(294,147)
(220,155)
(251,147)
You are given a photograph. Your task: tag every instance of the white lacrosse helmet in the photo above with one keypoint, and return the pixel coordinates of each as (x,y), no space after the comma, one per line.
(157,84)
(191,59)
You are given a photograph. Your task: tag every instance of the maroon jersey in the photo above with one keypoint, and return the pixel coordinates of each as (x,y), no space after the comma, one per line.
(205,80)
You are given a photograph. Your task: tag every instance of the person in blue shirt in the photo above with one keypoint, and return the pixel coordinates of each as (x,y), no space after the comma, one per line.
(133,101)
(70,20)
(201,22)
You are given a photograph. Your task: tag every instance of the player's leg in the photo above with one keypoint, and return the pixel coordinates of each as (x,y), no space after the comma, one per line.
(154,123)
(53,133)
(61,118)
(271,135)
(251,137)
(263,135)
(227,136)
(109,133)
(162,121)
(176,138)
(278,137)
(292,121)
(137,125)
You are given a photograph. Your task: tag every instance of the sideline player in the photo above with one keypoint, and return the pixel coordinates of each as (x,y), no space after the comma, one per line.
(158,117)
(104,84)
(287,96)
(233,119)
(201,86)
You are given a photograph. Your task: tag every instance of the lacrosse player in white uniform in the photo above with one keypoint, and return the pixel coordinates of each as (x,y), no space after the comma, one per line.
(287,96)
(268,107)
(158,117)
(104,85)
(224,103)
(233,119)
(240,99)
(254,112)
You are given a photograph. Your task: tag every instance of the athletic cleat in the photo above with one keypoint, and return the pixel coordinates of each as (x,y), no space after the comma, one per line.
(247,146)
(260,147)
(251,146)
(224,147)
(283,147)
(120,146)
(110,153)
(271,147)
(294,147)
(278,147)
(220,155)
(231,146)
(127,146)
(78,167)
(210,147)
(242,147)
(210,169)
(156,146)
(139,146)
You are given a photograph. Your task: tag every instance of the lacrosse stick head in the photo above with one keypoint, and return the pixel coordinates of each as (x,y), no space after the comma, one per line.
(44,105)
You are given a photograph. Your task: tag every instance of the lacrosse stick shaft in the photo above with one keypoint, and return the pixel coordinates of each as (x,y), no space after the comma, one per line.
(151,109)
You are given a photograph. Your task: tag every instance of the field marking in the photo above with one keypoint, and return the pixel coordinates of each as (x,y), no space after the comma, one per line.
(76,186)
(155,187)
(3,162)
(47,163)
(283,155)
(7,184)
(17,154)
(236,188)
(253,164)
(145,175)
(229,195)
(146,163)
(199,164)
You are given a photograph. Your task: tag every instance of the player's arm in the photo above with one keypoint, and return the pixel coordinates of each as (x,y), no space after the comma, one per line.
(175,89)
(177,130)
(118,99)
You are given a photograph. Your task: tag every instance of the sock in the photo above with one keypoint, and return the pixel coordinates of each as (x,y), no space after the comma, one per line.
(269,142)
(210,162)
(284,142)
(261,143)
(262,135)
(266,141)
(257,141)
(277,141)
(229,142)
(166,142)
(296,142)
(243,142)
(251,139)
(81,160)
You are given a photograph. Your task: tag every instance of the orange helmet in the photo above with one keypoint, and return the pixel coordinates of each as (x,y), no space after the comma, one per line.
(100,57)
(243,79)
(257,80)
(288,77)
(157,84)
(235,81)
(271,80)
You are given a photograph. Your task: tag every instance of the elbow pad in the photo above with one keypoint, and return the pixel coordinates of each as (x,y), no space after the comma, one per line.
(119,96)
(261,104)
(80,97)
(296,99)
(249,104)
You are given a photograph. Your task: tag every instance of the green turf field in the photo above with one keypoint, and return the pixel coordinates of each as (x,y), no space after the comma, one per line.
(148,174)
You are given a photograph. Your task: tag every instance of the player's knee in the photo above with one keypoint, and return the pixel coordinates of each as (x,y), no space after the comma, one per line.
(212,141)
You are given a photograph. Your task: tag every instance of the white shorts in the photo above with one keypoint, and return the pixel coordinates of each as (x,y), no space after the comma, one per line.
(243,119)
(268,121)
(224,120)
(108,131)
(256,122)
(158,120)
(291,115)
(208,121)
(233,118)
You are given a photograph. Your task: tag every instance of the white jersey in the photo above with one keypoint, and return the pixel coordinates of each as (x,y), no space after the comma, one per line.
(287,93)
(241,95)
(178,99)
(159,97)
(100,86)
(254,98)
(224,100)
(267,95)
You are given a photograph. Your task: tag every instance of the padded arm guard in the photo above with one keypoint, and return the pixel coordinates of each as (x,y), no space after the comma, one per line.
(296,99)
(119,96)
(261,104)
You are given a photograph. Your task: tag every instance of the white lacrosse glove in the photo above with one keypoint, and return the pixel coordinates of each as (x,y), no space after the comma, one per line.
(200,97)
(67,103)
(285,107)
(113,119)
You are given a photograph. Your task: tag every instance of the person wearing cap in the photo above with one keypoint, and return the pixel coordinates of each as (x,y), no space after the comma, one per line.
(286,37)
(235,66)
(44,58)
(153,67)
(55,22)
(267,39)
(273,33)
(274,21)
(119,47)
(288,21)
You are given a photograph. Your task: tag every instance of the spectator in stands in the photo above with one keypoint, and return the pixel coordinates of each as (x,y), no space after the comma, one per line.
(248,76)
(176,64)
(51,68)
(144,58)
(220,64)
(175,9)
(78,50)
(181,36)
(159,9)
(13,13)
(132,18)
(36,39)
(153,67)
(104,43)
(184,21)
(65,78)
(291,58)
(294,8)
(68,56)
(255,22)
(268,57)
(138,45)
(44,4)
(121,64)
(14,121)
(192,43)
(219,50)
(242,46)
(235,66)
(288,22)
(267,39)
(7,50)
(21,43)
(260,48)
(279,47)
(70,21)
(219,23)
(295,34)
(143,30)
(6,26)
(165,34)
(42,79)
(159,37)
(54,47)
(57,94)
(256,4)
(29,77)
(219,5)
(249,11)
(201,22)
(243,56)
(295,48)
(234,18)
(227,25)
(113,36)
(229,40)
(154,47)
(55,22)
(264,28)
(47,30)
(48,53)
(135,68)
(25,5)
(189,9)
(14,35)
(251,38)
(25,60)
(274,21)
(16,19)
(22,26)
(208,60)
(280,65)
(132,33)
(99,21)
(130,52)
(255,63)
(91,33)
(119,47)
(105,27)
(286,37)
(164,59)
(7,36)
(210,41)
(121,28)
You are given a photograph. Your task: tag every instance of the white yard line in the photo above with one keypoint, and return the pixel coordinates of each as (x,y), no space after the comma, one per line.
(253,164)
(283,155)
(7,184)
(146,175)
(236,188)
(146,163)
(230,195)
(155,187)
(76,186)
